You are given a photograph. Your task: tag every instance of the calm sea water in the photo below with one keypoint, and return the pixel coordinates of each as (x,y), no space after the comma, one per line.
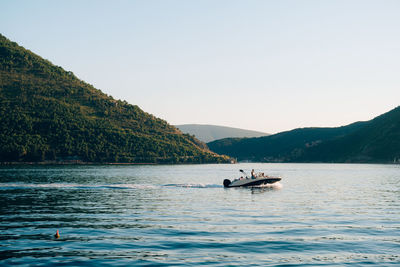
(319,214)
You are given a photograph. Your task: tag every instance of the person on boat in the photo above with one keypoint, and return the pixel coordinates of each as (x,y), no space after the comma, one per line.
(253,175)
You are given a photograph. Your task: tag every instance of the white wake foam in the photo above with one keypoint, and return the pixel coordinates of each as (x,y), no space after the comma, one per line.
(194,185)
(276,185)
(77,186)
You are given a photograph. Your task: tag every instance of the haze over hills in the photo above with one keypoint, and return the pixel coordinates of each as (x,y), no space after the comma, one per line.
(208,133)
(47,114)
(374,141)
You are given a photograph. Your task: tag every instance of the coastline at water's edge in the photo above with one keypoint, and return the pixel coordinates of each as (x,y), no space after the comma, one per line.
(15,163)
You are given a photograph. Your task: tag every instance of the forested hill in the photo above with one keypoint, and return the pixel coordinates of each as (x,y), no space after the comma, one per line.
(374,141)
(47,114)
(378,141)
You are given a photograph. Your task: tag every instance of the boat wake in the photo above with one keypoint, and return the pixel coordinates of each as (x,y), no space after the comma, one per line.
(194,185)
(276,185)
(6,186)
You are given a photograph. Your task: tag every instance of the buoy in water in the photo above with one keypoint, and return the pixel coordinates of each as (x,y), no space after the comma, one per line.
(57,235)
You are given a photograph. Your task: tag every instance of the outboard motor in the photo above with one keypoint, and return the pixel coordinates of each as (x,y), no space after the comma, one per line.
(227,182)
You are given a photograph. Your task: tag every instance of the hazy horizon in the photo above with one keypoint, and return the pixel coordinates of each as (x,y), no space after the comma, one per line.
(268,66)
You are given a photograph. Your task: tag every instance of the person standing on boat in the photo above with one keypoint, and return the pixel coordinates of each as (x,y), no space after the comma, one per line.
(253,175)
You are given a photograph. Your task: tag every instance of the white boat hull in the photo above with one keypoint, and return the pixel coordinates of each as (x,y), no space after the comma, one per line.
(251,181)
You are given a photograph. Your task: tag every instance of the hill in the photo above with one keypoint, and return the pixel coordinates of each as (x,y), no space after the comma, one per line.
(378,141)
(281,147)
(48,114)
(374,141)
(208,133)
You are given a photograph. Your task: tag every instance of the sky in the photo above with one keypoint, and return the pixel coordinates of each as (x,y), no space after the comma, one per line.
(269,66)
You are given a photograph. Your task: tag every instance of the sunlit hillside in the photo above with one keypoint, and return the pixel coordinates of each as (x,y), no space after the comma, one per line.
(48,114)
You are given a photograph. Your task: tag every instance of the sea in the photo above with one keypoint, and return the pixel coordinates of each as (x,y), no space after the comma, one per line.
(181,215)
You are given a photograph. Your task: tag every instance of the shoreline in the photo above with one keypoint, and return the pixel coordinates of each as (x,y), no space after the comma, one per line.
(179,163)
(105,163)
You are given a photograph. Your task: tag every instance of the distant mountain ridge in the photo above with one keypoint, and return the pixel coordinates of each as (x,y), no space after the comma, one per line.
(208,133)
(374,141)
(48,114)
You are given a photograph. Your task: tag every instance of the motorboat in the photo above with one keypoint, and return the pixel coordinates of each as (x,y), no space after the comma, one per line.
(254,180)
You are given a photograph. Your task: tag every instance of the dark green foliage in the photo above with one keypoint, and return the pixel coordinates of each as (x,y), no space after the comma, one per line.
(47,114)
(377,140)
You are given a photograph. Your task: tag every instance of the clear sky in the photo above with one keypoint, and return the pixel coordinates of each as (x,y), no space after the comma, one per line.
(262,65)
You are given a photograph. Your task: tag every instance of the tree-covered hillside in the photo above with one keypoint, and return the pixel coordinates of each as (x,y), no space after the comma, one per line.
(375,141)
(378,141)
(282,147)
(48,114)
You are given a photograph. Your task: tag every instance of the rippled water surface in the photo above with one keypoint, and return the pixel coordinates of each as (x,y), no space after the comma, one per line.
(319,214)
